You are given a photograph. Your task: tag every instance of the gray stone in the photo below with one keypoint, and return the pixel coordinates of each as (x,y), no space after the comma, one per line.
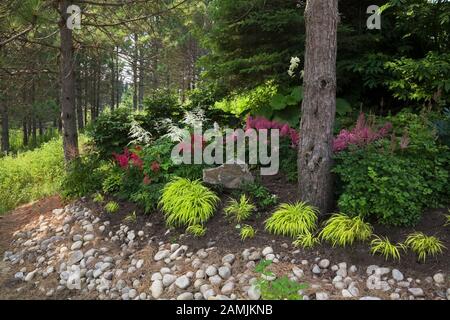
(254,293)
(267,250)
(225,272)
(182,282)
(369,298)
(397,275)
(322,296)
(157,289)
(185,296)
(215,280)
(161,255)
(417,292)
(211,271)
(75,257)
(297,272)
(168,279)
(228,288)
(229,258)
(439,278)
(316,269)
(230,176)
(76,245)
(324,263)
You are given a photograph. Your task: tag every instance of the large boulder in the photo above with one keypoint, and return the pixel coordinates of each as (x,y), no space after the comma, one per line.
(230,176)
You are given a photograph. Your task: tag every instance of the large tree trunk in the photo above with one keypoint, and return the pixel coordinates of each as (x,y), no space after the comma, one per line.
(319,104)
(69,124)
(5,127)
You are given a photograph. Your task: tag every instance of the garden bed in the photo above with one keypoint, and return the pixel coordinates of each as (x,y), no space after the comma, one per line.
(225,236)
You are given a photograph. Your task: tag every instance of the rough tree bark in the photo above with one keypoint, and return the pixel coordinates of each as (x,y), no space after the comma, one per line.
(319,104)
(69,124)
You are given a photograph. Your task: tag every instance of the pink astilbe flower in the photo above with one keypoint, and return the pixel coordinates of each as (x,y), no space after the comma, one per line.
(259,123)
(363,134)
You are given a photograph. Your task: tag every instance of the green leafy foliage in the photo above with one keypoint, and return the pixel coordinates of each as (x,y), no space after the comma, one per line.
(112,207)
(424,245)
(292,220)
(240,210)
(395,180)
(260,195)
(110,131)
(85,175)
(186,202)
(279,289)
(344,230)
(247,232)
(197,230)
(382,246)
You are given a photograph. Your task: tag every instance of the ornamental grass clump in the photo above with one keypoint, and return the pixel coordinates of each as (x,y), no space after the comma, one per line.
(424,245)
(240,210)
(186,202)
(384,247)
(344,230)
(292,220)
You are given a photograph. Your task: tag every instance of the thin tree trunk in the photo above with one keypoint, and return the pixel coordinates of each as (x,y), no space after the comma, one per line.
(141,84)
(113,81)
(5,128)
(70,134)
(135,72)
(25,131)
(79,99)
(319,104)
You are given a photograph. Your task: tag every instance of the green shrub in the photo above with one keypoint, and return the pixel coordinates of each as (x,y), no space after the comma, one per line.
(292,220)
(424,245)
(343,230)
(240,210)
(260,195)
(147,196)
(84,176)
(382,245)
(186,202)
(196,230)
(247,232)
(395,180)
(110,132)
(31,175)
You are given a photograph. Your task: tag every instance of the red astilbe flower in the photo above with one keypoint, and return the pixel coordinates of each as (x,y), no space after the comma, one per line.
(147,180)
(363,134)
(128,157)
(155,167)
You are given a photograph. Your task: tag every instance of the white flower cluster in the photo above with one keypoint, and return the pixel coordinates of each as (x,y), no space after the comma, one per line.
(192,119)
(295,61)
(139,135)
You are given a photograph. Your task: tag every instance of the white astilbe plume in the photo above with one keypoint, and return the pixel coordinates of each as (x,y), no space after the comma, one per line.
(174,133)
(139,135)
(195,117)
(295,61)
